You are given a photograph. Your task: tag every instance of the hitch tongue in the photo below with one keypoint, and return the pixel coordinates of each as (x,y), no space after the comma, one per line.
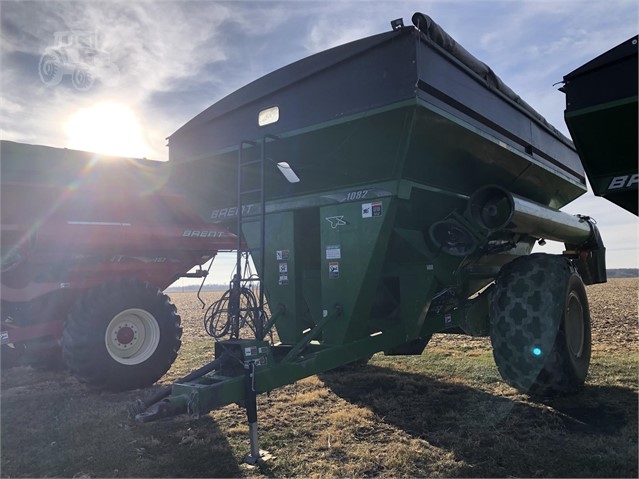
(161,409)
(156,406)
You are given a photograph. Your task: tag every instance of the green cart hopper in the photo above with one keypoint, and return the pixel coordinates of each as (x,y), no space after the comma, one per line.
(387,189)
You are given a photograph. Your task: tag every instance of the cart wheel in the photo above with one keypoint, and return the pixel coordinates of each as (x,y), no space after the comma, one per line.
(122,335)
(540,325)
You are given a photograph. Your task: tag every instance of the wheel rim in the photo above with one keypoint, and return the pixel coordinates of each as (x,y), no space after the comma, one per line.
(575,325)
(132,336)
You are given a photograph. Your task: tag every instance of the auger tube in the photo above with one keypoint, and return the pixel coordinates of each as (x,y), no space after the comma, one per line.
(494,208)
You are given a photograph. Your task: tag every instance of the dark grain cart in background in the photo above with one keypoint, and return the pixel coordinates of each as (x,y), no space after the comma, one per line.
(89,243)
(601,114)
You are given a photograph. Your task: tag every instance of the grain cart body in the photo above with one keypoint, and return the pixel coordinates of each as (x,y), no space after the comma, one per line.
(77,225)
(601,114)
(399,174)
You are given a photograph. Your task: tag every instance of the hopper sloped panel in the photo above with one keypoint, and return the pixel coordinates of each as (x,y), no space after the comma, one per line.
(390,107)
(40,182)
(345,80)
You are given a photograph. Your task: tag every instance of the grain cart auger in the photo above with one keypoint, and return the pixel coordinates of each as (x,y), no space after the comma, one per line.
(381,186)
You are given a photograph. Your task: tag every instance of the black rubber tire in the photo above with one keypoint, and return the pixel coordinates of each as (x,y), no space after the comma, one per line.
(11,357)
(540,325)
(46,360)
(85,342)
(44,352)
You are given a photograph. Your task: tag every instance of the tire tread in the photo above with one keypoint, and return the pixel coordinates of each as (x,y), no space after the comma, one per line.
(83,345)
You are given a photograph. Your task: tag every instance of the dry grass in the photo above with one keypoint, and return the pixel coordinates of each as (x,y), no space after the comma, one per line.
(445,413)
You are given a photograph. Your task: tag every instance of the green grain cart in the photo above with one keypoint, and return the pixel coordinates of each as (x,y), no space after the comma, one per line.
(387,189)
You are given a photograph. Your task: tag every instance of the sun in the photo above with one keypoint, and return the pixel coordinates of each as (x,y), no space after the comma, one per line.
(107,128)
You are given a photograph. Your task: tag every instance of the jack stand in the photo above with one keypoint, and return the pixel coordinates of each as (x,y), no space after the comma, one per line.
(255,456)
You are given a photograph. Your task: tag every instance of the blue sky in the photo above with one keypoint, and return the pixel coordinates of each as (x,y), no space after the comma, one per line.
(164,62)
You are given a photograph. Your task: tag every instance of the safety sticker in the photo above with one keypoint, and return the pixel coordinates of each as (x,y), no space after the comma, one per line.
(258,362)
(4,337)
(283,279)
(281,254)
(371,210)
(283,268)
(250,351)
(333,252)
(333,270)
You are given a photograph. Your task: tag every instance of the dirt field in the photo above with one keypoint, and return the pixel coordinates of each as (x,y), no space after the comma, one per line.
(445,413)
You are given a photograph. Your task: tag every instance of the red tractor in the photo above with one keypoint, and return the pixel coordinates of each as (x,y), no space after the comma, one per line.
(88,245)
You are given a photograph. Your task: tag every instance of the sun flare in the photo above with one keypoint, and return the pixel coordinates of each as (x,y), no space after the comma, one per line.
(106,128)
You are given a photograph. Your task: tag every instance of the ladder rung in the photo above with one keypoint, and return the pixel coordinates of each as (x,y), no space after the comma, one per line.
(250,220)
(247,192)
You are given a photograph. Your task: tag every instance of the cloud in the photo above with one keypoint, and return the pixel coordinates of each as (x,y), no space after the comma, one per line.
(8,107)
(167,60)
(331,31)
(152,46)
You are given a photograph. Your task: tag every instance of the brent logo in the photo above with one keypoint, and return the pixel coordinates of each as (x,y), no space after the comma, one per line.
(625,181)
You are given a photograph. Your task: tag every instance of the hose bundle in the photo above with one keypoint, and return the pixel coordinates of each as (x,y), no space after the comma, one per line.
(236,309)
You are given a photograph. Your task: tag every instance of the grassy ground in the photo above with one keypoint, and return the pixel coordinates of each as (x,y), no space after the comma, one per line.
(444,413)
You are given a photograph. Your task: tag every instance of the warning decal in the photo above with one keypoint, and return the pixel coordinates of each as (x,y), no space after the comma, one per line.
(281,254)
(333,270)
(333,252)
(371,210)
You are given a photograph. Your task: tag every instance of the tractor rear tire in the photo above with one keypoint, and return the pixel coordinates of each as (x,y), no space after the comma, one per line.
(540,325)
(121,335)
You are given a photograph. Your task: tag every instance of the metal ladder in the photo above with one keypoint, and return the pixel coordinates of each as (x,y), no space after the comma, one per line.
(238,280)
(255,455)
(242,193)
